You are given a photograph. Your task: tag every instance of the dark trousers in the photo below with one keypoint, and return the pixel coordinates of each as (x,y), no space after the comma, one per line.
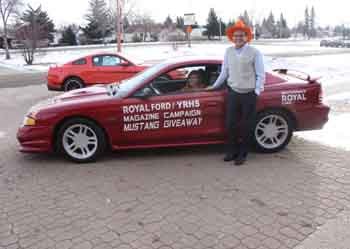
(240,119)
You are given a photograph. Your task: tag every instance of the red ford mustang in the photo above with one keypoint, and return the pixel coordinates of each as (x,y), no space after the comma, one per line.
(149,110)
(94,69)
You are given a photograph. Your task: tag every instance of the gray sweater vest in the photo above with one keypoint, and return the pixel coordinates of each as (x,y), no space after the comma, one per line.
(242,75)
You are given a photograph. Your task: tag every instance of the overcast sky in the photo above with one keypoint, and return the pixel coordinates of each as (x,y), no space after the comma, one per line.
(327,12)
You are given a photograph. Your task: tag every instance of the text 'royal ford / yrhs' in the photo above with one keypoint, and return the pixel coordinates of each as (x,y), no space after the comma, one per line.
(150,110)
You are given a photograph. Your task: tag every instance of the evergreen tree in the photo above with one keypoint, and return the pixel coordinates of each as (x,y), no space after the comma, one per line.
(180,23)
(68,36)
(230,22)
(257,31)
(99,20)
(282,28)
(126,23)
(168,23)
(92,31)
(212,24)
(42,19)
(300,28)
(271,25)
(312,22)
(306,31)
(246,19)
(223,27)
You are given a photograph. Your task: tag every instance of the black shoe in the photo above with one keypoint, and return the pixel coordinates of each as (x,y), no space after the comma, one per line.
(230,157)
(240,160)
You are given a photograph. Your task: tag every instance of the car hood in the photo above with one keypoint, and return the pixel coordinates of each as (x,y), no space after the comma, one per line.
(88,92)
(79,97)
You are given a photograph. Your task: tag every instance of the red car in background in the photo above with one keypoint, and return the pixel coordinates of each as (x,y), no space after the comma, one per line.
(94,69)
(150,110)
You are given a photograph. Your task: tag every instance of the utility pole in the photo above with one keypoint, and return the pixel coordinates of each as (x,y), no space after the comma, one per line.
(119,25)
(220,31)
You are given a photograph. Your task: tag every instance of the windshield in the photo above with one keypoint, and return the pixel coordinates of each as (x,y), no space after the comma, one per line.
(130,84)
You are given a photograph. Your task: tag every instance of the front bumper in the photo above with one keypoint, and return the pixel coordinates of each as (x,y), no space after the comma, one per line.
(53,87)
(35,139)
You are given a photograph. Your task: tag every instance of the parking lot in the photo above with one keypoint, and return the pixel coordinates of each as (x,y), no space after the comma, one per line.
(164,198)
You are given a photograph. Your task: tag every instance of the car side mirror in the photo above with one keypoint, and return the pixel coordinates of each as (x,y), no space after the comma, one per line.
(125,64)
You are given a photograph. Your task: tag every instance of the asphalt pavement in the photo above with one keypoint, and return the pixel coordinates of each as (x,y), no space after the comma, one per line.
(16,78)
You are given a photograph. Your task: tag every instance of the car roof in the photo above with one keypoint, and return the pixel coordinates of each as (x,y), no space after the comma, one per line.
(193,60)
(105,53)
(109,53)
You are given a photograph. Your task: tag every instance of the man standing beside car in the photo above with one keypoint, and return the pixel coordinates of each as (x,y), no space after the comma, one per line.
(243,69)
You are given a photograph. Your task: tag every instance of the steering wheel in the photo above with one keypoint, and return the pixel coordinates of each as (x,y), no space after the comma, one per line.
(155,89)
(160,78)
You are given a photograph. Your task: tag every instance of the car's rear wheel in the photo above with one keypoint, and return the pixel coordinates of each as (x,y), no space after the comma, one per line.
(81,140)
(72,84)
(273,131)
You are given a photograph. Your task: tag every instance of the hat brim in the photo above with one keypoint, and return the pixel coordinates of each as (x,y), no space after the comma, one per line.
(231,30)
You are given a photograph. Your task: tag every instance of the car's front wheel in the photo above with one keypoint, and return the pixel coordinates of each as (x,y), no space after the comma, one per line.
(81,140)
(273,131)
(72,84)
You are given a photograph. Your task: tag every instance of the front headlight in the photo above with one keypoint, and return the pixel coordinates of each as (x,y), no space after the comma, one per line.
(28,121)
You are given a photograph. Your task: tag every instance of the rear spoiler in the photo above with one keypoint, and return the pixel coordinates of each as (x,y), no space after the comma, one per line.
(297,74)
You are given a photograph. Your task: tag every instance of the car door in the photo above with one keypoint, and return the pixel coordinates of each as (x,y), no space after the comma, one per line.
(173,119)
(111,68)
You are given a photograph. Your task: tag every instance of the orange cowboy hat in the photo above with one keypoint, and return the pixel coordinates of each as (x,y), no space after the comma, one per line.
(239,25)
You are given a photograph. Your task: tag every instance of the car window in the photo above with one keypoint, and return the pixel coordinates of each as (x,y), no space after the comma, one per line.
(132,83)
(80,62)
(106,60)
(186,79)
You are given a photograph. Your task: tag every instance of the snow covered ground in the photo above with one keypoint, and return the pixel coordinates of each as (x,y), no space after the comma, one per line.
(330,67)
(335,133)
(333,68)
(44,59)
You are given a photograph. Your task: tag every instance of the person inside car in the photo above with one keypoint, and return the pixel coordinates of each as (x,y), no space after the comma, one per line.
(195,81)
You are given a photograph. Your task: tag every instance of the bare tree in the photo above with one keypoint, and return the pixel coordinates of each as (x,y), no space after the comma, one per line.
(128,9)
(30,33)
(8,8)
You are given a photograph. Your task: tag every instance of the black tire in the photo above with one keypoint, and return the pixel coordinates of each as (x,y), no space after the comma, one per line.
(96,129)
(284,139)
(73,83)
